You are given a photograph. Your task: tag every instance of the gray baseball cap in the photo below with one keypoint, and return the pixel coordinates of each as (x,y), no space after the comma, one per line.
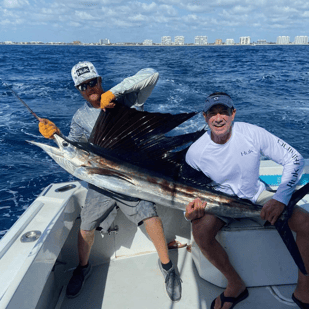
(83,71)
(216,99)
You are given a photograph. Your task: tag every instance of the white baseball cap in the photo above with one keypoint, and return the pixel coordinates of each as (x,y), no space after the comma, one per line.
(83,71)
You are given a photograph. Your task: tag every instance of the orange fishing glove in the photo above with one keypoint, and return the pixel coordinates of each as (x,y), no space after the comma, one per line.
(106,99)
(47,128)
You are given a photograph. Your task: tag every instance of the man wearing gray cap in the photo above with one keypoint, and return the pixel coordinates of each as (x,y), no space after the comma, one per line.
(229,154)
(100,205)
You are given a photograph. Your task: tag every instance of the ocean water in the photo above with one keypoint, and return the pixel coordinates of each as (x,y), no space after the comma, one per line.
(269,85)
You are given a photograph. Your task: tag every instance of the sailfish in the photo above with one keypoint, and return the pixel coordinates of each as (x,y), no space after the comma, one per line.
(129,152)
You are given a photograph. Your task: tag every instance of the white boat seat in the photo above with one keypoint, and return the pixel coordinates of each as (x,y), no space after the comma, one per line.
(257,253)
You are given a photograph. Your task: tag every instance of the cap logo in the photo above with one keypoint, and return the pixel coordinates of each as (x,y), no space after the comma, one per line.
(82,71)
(216,98)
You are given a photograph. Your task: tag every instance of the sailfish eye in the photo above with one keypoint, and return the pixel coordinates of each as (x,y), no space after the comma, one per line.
(65,144)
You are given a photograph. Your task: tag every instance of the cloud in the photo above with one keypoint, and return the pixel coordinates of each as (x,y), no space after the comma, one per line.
(158,17)
(138,17)
(81,15)
(149,7)
(14,4)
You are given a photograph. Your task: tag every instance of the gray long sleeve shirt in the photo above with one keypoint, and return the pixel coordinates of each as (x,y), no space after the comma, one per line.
(133,91)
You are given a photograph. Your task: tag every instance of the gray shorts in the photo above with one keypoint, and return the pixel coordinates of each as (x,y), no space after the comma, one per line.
(99,203)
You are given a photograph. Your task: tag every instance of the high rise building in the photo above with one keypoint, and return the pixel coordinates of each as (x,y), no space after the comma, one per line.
(200,40)
(179,40)
(229,42)
(218,42)
(301,40)
(283,40)
(261,42)
(244,40)
(147,42)
(104,42)
(166,40)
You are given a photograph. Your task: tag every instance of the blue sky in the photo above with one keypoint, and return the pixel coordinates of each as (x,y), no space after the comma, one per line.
(134,21)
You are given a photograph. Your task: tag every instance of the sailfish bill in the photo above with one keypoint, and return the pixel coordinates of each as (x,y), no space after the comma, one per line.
(129,153)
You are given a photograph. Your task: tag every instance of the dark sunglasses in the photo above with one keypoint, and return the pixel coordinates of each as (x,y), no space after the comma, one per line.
(91,83)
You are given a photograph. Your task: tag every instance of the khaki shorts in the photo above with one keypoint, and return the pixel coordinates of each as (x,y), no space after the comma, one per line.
(100,203)
(264,197)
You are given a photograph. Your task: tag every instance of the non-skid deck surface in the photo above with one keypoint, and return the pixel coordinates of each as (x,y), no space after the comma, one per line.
(137,283)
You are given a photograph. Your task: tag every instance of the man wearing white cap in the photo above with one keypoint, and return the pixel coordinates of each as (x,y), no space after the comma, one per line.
(229,154)
(132,92)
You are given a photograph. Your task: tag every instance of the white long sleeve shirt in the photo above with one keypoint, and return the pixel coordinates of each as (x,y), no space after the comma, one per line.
(234,166)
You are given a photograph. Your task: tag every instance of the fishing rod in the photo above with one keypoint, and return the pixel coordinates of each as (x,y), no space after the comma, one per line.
(29,109)
(17,96)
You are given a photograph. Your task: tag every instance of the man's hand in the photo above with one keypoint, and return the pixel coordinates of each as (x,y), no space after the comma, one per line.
(48,128)
(272,210)
(107,100)
(195,209)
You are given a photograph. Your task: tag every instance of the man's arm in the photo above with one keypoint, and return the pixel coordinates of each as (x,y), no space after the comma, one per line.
(190,173)
(134,90)
(293,163)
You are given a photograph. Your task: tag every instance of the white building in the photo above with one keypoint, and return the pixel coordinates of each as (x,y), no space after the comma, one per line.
(200,40)
(166,40)
(179,40)
(229,42)
(147,42)
(105,42)
(244,40)
(261,42)
(283,40)
(301,40)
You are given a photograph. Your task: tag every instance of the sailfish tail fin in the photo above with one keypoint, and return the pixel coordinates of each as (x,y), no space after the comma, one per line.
(298,195)
(285,231)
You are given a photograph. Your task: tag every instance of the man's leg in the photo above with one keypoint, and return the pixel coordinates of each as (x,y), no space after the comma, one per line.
(299,223)
(140,211)
(83,270)
(96,209)
(155,231)
(85,242)
(205,230)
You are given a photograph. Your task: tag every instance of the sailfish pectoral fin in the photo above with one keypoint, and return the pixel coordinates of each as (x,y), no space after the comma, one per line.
(106,172)
(285,232)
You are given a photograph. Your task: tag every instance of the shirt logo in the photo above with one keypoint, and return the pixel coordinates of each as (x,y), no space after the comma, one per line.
(82,71)
(244,153)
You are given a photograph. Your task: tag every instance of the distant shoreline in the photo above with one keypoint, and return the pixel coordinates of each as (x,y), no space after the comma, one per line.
(141,45)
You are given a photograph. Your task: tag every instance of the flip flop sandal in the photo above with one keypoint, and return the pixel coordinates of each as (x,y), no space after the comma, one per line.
(233,300)
(300,304)
(175,244)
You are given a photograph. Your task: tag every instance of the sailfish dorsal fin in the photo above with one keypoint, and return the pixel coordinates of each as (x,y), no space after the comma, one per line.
(139,137)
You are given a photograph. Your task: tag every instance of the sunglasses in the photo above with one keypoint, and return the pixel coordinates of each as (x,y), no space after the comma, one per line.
(84,86)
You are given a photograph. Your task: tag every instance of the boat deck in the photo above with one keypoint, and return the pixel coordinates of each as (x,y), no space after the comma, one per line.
(137,282)
(125,272)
